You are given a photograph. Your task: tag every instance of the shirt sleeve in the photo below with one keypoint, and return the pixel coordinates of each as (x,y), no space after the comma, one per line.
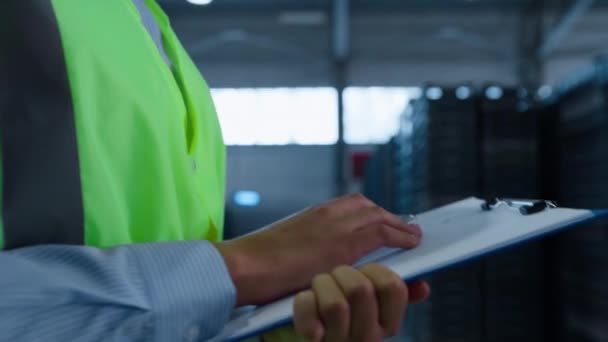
(173,291)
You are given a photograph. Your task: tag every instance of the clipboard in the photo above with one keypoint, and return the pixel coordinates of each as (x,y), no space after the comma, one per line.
(452,235)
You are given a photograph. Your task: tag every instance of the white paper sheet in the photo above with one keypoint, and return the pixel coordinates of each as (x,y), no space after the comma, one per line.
(451,234)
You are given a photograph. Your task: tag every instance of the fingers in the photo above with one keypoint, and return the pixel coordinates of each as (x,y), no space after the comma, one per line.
(392,294)
(374,237)
(349,203)
(306,317)
(376,215)
(419,291)
(355,305)
(333,308)
(361,296)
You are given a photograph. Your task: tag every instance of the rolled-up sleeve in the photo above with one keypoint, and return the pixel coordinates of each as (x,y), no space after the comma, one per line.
(174,291)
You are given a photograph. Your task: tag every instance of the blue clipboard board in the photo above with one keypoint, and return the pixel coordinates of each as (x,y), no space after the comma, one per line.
(454,234)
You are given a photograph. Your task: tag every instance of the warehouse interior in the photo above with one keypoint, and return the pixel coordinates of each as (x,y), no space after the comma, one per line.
(418,103)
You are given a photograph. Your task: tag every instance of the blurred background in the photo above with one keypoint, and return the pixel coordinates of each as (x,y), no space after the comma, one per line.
(417,103)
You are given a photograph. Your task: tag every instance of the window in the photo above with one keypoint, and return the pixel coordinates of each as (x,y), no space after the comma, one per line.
(371,114)
(278,116)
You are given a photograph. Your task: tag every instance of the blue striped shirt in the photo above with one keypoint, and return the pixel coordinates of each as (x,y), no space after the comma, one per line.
(171,291)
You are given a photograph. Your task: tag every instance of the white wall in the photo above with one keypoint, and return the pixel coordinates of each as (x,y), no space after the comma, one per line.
(289,179)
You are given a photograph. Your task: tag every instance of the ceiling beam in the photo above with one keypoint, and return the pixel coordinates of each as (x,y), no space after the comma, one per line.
(183,8)
(564,27)
(469,39)
(340,50)
(341,30)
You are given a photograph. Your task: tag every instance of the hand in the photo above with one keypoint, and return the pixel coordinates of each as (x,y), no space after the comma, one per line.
(284,257)
(355,305)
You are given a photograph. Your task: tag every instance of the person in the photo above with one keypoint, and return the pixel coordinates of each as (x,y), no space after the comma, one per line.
(112,178)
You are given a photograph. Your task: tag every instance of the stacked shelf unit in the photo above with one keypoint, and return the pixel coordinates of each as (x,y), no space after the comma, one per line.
(581,255)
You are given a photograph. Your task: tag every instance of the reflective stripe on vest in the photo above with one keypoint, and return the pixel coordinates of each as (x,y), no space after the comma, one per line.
(41,192)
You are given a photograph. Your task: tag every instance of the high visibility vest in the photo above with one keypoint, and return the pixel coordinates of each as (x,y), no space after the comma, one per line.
(102,143)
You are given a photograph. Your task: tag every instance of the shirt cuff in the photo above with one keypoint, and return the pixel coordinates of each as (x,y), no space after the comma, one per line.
(189,287)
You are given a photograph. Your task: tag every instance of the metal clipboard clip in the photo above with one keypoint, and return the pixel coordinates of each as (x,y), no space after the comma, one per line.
(409,218)
(524,206)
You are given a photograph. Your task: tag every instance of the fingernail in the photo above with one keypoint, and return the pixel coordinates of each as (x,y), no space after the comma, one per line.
(417,229)
(407,218)
(414,239)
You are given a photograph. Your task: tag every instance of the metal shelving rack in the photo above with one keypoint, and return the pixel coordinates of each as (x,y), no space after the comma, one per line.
(581,257)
